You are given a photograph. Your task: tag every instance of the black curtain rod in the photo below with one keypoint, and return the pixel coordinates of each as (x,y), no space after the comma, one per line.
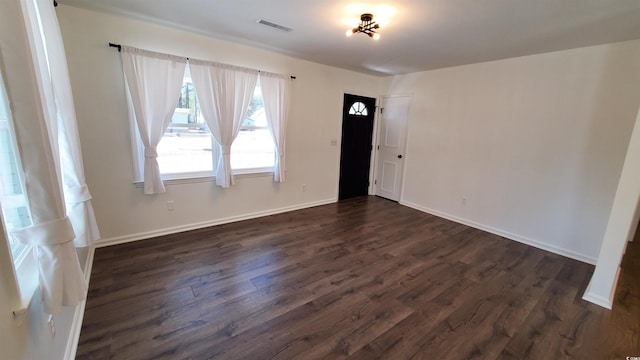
(116,46)
(119,47)
(55,3)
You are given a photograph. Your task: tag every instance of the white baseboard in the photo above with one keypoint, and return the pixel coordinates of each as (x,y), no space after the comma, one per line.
(521,239)
(200,225)
(600,299)
(78,315)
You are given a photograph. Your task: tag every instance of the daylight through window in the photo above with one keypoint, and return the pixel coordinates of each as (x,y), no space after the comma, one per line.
(187,144)
(187,148)
(253,147)
(358,108)
(14,207)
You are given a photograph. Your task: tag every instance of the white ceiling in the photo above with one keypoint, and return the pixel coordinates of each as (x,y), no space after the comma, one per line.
(418,34)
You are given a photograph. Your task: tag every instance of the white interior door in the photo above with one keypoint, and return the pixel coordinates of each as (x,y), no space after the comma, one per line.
(391,146)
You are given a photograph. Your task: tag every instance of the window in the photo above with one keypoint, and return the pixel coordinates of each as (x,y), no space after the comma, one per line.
(358,108)
(13,206)
(187,149)
(12,199)
(187,145)
(253,148)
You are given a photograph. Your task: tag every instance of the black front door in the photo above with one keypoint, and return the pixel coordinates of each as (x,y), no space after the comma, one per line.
(355,155)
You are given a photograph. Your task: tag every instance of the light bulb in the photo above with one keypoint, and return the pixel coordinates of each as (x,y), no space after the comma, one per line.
(349,33)
(376,36)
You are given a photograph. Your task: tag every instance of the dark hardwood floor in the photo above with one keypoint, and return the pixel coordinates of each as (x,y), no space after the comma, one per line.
(361,279)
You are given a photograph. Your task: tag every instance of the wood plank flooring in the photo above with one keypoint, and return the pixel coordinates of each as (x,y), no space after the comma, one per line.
(361,279)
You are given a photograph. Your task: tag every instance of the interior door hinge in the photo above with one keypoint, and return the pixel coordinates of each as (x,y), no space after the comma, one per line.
(378,147)
(375,182)
(381,108)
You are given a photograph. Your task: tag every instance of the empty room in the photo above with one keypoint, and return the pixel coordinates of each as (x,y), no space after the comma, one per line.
(437,179)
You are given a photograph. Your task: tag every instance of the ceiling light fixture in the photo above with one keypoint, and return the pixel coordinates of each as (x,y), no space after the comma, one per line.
(366,26)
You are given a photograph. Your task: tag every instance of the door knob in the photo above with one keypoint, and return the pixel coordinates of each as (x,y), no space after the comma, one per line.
(399,156)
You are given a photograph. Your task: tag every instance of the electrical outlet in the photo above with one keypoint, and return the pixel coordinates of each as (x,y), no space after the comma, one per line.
(52,326)
(333,142)
(304,187)
(171,205)
(464,201)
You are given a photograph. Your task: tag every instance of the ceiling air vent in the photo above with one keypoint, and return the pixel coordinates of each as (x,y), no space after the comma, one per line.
(274,25)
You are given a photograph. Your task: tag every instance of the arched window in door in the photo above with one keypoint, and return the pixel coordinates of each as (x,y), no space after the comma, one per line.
(358,109)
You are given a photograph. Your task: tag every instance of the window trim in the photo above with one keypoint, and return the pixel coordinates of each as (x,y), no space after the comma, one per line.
(201,177)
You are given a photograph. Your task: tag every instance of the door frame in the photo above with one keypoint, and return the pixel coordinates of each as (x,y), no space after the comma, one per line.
(376,136)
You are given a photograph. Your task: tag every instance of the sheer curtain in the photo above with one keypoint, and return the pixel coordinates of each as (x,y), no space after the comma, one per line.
(224,93)
(37,126)
(154,82)
(76,192)
(276,93)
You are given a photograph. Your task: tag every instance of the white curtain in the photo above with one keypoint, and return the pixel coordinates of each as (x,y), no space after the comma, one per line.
(224,93)
(76,193)
(154,82)
(36,124)
(276,93)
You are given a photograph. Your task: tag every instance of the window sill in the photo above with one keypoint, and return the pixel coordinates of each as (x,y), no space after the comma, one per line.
(195,178)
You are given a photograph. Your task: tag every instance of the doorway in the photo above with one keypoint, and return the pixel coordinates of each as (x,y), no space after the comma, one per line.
(355,151)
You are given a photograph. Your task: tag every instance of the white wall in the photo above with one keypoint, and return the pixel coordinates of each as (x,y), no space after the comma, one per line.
(122,211)
(13,337)
(620,228)
(535,144)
